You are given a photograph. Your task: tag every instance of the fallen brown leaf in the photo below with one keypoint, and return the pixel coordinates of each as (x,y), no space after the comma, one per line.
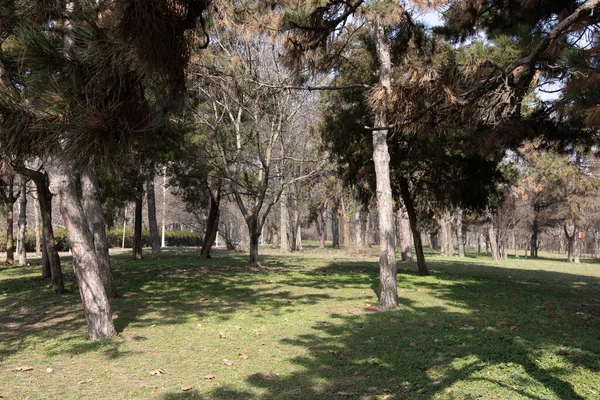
(467,327)
(157,372)
(222,335)
(210,376)
(243,356)
(24,368)
(186,388)
(227,362)
(513,328)
(84,381)
(347,394)
(413,344)
(203,299)
(429,324)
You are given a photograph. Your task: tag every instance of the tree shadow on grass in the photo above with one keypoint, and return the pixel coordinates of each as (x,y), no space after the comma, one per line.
(165,290)
(508,333)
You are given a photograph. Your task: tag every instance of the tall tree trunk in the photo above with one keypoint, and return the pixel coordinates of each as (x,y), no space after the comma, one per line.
(38,230)
(414,225)
(283,221)
(335,224)
(321,228)
(346,222)
(459,232)
(46,271)
(212,223)
(152,223)
(274,238)
(297,230)
(137,229)
(85,264)
(48,246)
(8,209)
(444,236)
(254,233)
(90,197)
(388,286)
(491,235)
(358,231)
(22,224)
(405,236)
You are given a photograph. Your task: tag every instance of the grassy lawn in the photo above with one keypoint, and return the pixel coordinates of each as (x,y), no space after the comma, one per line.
(307,327)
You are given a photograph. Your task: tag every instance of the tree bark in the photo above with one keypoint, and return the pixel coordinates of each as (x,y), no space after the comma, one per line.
(388,289)
(44,195)
(346,222)
(254,233)
(414,225)
(85,264)
(152,223)
(405,242)
(283,222)
(137,230)
(358,231)
(90,197)
(212,223)
(491,234)
(38,229)
(8,209)
(22,224)
(335,224)
(459,232)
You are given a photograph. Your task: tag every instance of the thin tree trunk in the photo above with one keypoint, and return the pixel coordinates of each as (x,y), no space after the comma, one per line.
(274,238)
(254,233)
(212,223)
(358,231)
(137,230)
(46,271)
(297,230)
(459,232)
(85,264)
(90,196)
(335,225)
(283,222)
(405,242)
(414,226)
(48,247)
(8,209)
(491,234)
(23,224)
(320,224)
(444,236)
(38,229)
(346,222)
(152,223)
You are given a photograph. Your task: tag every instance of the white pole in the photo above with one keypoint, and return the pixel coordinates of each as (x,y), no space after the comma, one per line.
(217,240)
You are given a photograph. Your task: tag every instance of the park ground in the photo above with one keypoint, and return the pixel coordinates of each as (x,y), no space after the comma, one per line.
(308,327)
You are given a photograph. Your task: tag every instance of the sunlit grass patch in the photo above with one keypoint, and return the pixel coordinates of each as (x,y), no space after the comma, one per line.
(307,327)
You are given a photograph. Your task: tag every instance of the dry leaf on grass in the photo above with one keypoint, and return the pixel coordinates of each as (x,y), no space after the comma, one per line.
(243,356)
(429,324)
(222,335)
(157,372)
(413,344)
(24,368)
(186,388)
(227,362)
(209,376)
(49,370)
(347,394)
(84,381)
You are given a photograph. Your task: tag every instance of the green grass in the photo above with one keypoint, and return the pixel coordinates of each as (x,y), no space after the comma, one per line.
(310,329)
